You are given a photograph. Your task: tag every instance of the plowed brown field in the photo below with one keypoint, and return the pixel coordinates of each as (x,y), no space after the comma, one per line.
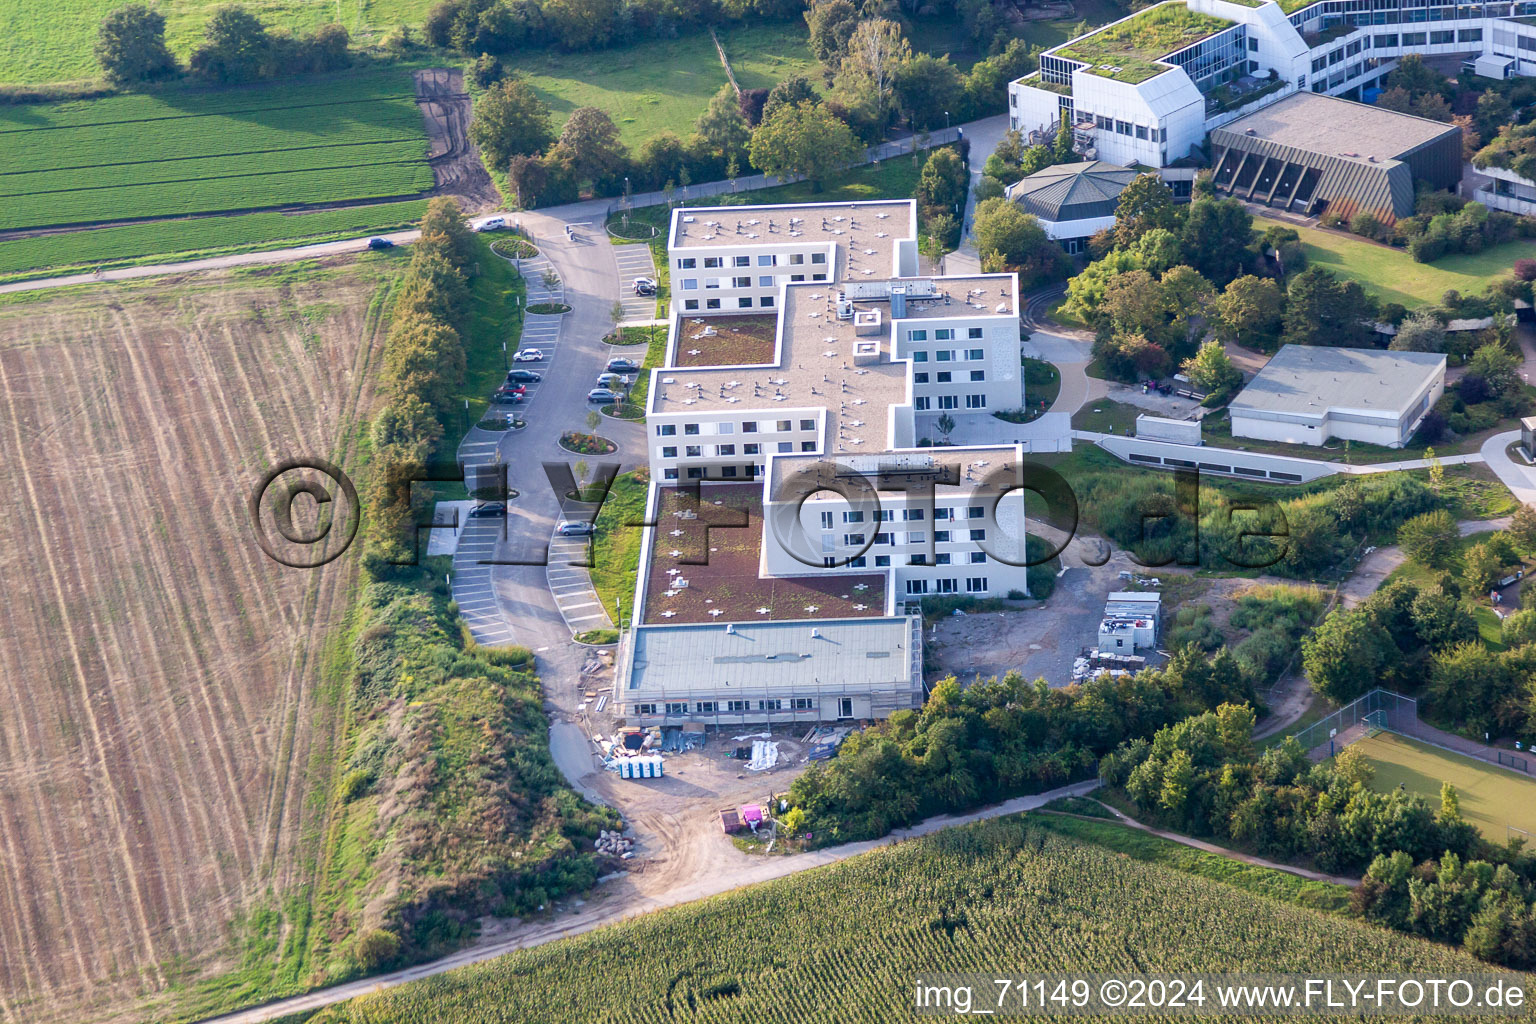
(161,701)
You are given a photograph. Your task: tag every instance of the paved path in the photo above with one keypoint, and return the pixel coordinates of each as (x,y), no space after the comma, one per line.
(1517,476)
(541,932)
(985,134)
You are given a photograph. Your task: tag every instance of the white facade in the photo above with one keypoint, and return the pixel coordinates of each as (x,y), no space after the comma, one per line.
(1336,47)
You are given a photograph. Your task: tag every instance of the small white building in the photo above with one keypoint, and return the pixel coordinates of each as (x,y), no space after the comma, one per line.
(1311,394)
(1130,621)
(1161,428)
(1073,201)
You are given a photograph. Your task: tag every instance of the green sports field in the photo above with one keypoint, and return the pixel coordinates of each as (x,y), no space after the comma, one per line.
(1491,797)
(347,137)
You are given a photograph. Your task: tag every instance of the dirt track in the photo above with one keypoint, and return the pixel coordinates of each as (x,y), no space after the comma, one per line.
(456,164)
(158,708)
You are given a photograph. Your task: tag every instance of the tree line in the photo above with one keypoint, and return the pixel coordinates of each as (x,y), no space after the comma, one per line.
(236,47)
(1203,776)
(795,129)
(993,740)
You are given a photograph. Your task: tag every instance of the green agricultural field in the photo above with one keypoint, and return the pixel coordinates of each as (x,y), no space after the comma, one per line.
(1392,276)
(845,943)
(162,240)
(51,40)
(1491,797)
(352,136)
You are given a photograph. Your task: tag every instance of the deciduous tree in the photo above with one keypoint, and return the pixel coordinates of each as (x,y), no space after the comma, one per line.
(803,140)
(130,46)
(1248,312)
(511,120)
(1211,370)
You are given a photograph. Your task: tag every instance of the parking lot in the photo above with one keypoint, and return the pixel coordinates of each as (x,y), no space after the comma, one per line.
(635,261)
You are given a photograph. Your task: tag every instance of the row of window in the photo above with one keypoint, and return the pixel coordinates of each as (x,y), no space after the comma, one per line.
(691,284)
(696,451)
(884,561)
(944,377)
(748,472)
(924,403)
(908,515)
(744,302)
(1128,128)
(946,334)
(1356,12)
(770,260)
(858,540)
(729,707)
(726,427)
(973,585)
(949,355)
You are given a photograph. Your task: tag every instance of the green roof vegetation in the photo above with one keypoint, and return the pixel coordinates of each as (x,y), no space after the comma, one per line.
(1034,81)
(1513,149)
(1129,50)
(1292,6)
(1248,3)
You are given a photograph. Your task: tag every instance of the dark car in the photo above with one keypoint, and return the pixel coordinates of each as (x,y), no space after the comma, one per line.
(607,395)
(486,509)
(622,365)
(509,393)
(523,377)
(380,243)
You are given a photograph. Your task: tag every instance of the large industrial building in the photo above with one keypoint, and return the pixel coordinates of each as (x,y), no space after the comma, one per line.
(1312,153)
(1147,88)
(799,510)
(1312,394)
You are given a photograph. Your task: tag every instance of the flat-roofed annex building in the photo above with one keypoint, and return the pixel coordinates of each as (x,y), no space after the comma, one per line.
(1311,153)
(1310,394)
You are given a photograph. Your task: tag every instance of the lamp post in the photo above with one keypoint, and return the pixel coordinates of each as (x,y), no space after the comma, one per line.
(946,120)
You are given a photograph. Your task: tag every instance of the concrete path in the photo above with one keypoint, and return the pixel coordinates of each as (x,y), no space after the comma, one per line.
(1517,476)
(541,932)
(985,134)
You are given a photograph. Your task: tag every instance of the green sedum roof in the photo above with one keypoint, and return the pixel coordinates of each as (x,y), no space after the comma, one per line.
(1136,45)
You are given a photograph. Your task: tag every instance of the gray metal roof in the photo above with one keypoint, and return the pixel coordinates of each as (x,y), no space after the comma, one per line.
(846,654)
(1339,128)
(1311,380)
(1072,191)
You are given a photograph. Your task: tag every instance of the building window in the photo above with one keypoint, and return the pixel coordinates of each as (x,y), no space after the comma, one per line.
(920,378)
(973,332)
(669,474)
(859,563)
(826,520)
(786,446)
(807,446)
(883,538)
(695,473)
(666,430)
(765,281)
(691,428)
(677,707)
(978,375)
(944,334)
(725,449)
(744,302)
(919,357)
(807,424)
(669,452)
(944,355)
(945,586)
(1253,44)
(975,584)
(1413,38)
(922,403)
(974,511)
(912,515)
(705,707)
(728,471)
(975,353)
(1141,132)
(751,449)
(645,709)
(941,536)
(818,277)
(975,401)
(917,586)
(1380,41)
(693,451)
(738,706)
(741,282)
(783,425)
(711,303)
(690,303)
(853,540)
(917,537)
(802,704)
(818,257)
(979,534)
(741,261)
(794,278)
(767,301)
(948,402)
(690,284)
(687,263)
(796,258)
(917,335)
(1438,38)
(770,705)
(943,377)
(942,558)
(856,516)
(749,427)
(882,561)
(766,261)
(711,262)
(978,557)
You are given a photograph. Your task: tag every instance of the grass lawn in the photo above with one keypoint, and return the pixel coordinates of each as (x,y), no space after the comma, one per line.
(51,40)
(1491,797)
(494,319)
(616,543)
(1143,846)
(1057,313)
(183,239)
(1390,275)
(1107,417)
(354,135)
(1042,382)
(663,85)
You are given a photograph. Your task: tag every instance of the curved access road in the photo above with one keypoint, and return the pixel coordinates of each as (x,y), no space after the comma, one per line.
(1513,473)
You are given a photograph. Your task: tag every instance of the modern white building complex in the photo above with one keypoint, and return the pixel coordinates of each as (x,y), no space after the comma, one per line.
(798,499)
(1145,89)
(1310,394)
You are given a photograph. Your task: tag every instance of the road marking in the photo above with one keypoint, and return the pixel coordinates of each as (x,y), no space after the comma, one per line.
(584,618)
(579,604)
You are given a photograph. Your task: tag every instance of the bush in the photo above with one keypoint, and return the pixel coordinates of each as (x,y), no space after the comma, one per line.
(377,947)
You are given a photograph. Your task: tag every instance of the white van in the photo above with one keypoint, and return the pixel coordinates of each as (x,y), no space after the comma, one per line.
(494,224)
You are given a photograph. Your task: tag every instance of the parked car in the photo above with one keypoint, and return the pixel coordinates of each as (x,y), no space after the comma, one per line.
(512,388)
(380,243)
(614,381)
(622,365)
(645,286)
(604,395)
(509,394)
(494,224)
(524,376)
(573,528)
(529,355)
(486,509)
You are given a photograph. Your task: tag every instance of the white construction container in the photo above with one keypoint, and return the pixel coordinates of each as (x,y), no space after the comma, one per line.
(647,767)
(1161,428)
